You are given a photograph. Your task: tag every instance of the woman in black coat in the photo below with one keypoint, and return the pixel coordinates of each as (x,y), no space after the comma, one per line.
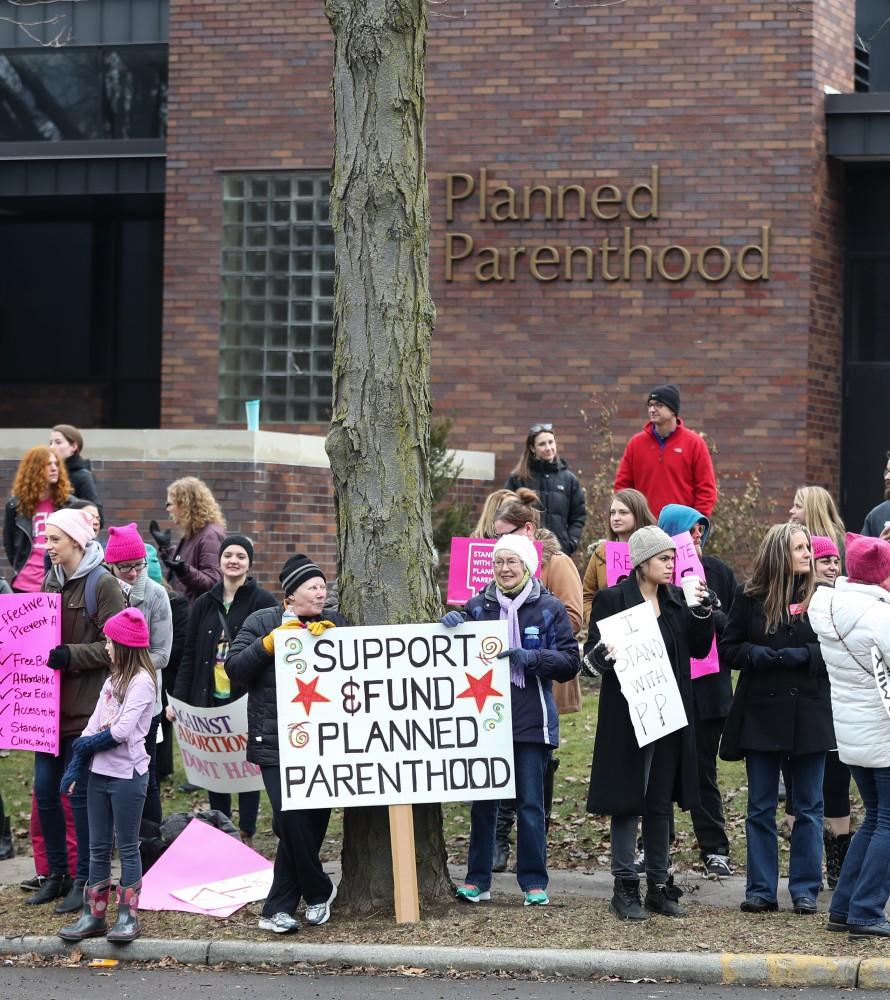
(781,709)
(251,663)
(215,619)
(541,469)
(626,780)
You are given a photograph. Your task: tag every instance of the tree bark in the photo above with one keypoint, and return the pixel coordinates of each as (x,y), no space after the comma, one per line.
(378,441)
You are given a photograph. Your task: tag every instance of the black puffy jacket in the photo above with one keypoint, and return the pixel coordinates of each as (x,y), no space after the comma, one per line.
(562,497)
(83,483)
(194,680)
(250,666)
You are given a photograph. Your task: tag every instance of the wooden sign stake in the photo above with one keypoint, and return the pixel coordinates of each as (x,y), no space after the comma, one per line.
(404,864)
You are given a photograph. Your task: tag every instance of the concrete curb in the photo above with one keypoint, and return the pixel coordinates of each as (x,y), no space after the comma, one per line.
(690,967)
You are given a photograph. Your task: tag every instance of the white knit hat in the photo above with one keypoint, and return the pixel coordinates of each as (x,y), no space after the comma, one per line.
(647,542)
(520,546)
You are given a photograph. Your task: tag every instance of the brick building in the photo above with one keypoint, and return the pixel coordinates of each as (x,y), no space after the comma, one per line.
(620,195)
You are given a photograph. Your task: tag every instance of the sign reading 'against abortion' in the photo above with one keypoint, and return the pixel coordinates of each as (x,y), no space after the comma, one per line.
(30,625)
(394,714)
(644,672)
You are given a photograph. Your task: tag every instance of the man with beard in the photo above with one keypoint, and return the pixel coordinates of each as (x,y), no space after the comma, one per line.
(877,521)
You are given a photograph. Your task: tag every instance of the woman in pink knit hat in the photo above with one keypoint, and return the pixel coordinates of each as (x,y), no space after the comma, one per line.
(110,759)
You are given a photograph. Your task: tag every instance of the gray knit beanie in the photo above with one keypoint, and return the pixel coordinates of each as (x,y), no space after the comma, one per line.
(647,542)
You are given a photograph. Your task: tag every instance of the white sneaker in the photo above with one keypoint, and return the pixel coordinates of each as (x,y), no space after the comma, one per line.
(319,913)
(281,923)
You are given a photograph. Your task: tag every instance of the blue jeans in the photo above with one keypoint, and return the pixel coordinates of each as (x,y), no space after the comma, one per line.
(48,771)
(115,806)
(864,886)
(529,765)
(805,868)
(248,808)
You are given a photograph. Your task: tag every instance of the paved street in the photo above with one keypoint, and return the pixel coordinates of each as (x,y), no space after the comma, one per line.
(126,983)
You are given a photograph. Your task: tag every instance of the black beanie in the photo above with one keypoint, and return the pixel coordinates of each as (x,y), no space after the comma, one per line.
(667,394)
(297,570)
(237,539)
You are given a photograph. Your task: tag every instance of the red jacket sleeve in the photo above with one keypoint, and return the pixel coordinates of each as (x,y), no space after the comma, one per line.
(704,484)
(624,478)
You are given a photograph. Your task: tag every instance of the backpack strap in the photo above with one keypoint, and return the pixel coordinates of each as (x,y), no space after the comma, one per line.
(91,598)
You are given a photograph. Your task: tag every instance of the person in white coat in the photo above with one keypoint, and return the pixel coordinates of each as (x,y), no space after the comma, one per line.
(853,622)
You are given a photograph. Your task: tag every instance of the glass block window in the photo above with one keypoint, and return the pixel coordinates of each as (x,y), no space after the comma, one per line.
(277,300)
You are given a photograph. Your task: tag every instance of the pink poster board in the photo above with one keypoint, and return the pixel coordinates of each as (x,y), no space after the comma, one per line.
(30,625)
(470,568)
(618,567)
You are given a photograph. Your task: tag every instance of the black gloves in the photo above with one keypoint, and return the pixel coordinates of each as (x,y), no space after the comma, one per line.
(59,657)
(162,538)
(176,566)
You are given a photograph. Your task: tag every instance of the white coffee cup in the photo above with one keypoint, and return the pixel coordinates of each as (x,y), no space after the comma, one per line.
(690,586)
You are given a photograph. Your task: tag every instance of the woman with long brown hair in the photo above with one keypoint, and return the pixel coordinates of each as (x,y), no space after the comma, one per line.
(781,709)
(41,486)
(628,510)
(193,566)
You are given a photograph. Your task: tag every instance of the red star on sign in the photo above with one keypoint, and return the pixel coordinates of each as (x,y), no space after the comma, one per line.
(307,694)
(480,688)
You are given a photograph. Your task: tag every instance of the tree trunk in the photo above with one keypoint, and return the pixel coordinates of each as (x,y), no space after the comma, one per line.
(378,442)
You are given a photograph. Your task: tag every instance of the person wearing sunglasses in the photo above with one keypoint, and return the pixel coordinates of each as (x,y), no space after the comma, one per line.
(541,469)
(127,557)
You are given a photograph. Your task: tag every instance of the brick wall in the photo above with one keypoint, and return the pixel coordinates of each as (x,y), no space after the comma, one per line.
(726,100)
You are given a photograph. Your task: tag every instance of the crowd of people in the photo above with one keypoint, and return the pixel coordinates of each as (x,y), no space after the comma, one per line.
(806,634)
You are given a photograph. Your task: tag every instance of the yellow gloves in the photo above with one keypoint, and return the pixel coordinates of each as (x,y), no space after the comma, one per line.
(269,640)
(319,628)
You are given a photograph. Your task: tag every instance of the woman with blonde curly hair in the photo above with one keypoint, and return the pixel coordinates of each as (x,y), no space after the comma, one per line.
(193,565)
(41,486)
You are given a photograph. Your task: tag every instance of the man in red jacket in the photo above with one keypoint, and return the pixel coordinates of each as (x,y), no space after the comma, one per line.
(666,461)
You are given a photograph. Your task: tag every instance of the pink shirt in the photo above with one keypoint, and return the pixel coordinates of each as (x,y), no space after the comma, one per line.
(30,577)
(128,723)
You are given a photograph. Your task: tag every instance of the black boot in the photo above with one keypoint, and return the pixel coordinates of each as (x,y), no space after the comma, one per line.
(626,903)
(53,887)
(836,847)
(7,850)
(663,898)
(92,922)
(74,900)
(503,829)
(126,927)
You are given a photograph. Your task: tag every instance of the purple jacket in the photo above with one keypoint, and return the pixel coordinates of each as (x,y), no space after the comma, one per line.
(200,553)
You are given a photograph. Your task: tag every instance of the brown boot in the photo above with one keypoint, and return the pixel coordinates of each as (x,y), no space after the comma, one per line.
(126,927)
(92,922)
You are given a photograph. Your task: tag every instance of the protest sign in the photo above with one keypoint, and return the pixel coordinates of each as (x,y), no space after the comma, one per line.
(213,744)
(469,569)
(882,677)
(687,561)
(30,625)
(394,714)
(644,672)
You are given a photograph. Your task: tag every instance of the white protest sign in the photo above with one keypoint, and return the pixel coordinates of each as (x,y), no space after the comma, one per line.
(213,744)
(644,672)
(882,678)
(393,715)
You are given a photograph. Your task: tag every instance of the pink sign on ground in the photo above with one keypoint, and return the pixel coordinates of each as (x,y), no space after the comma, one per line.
(200,855)
(688,562)
(470,568)
(30,625)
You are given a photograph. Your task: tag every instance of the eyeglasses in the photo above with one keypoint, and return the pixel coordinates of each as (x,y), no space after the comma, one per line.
(537,428)
(507,563)
(131,566)
(504,534)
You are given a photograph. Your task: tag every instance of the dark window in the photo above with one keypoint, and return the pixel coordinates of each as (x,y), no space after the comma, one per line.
(83,93)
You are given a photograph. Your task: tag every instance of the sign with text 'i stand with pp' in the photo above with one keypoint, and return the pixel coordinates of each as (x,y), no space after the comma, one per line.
(30,625)
(394,715)
(644,672)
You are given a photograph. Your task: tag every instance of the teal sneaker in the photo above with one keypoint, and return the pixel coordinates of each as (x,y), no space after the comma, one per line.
(472,893)
(536,897)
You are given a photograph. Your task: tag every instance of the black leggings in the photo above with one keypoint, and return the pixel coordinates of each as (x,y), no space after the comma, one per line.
(835,787)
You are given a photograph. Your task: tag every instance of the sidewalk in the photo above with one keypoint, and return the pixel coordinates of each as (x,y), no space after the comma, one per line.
(691,967)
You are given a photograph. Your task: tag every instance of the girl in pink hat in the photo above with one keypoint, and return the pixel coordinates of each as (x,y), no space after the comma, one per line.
(111,757)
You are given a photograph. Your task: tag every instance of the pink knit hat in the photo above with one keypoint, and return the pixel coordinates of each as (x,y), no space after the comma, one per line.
(124,544)
(77,525)
(128,628)
(822,547)
(868,559)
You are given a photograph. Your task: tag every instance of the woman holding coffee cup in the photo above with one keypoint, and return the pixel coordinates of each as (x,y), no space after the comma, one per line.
(781,709)
(628,781)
